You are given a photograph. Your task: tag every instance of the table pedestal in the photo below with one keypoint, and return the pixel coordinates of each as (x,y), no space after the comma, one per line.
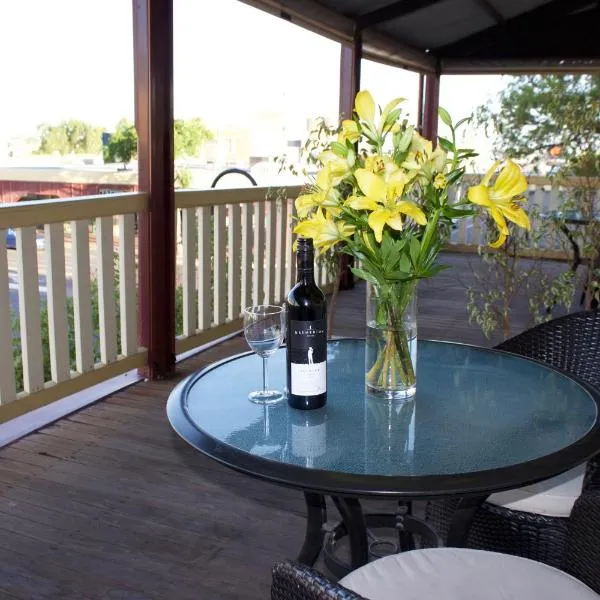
(358,526)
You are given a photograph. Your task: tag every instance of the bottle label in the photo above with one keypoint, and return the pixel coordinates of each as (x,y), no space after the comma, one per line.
(308,357)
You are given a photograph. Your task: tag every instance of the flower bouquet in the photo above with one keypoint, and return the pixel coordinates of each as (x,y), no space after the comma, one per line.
(383,195)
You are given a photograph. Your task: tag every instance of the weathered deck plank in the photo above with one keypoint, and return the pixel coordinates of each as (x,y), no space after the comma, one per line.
(109,504)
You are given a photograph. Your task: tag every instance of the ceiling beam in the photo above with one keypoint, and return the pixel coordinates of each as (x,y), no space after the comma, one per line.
(397,9)
(491,10)
(534,20)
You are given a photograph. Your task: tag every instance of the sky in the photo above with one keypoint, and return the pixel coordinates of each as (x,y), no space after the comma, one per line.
(74,59)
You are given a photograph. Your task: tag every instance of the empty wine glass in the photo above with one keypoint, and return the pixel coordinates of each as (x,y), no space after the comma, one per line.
(264,327)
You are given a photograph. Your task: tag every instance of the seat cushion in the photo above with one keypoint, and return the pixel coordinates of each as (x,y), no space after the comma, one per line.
(463,574)
(553,498)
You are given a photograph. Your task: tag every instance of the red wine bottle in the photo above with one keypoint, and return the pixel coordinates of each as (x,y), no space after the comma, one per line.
(306,335)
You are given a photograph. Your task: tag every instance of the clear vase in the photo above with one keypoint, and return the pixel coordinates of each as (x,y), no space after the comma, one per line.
(391,341)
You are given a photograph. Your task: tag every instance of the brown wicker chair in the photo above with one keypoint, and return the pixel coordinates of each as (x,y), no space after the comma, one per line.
(292,581)
(570,343)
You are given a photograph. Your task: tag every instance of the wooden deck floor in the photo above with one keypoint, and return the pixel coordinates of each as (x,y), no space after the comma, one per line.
(108,503)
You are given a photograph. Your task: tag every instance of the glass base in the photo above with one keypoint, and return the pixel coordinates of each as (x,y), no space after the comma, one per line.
(265,396)
(403,395)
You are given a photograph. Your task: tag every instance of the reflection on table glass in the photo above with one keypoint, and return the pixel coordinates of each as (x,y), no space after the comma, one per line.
(474,410)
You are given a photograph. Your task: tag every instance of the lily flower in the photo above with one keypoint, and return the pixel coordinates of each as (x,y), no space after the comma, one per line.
(324,231)
(349,132)
(501,199)
(323,194)
(335,166)
(364,105)
(381,196)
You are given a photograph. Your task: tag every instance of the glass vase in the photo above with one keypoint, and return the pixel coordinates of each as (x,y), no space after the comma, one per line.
(391,341)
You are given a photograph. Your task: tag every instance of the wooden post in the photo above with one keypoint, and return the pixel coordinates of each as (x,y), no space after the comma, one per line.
(350,58)
(153,72)
(432,103)
(420,107)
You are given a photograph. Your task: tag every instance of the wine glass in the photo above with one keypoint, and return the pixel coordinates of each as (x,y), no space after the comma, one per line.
(264,327)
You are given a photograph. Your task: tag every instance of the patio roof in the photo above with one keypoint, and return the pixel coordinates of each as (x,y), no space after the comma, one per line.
(457,36)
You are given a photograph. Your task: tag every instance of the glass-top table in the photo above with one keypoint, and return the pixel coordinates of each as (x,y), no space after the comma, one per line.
(481,421)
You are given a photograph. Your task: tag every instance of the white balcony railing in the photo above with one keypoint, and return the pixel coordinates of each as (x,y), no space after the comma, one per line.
(235,249)
(68,320)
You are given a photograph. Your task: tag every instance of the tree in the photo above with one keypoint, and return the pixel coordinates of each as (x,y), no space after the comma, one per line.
(70,137)
(122,145)
(189,136)
(554,118)
(539,116)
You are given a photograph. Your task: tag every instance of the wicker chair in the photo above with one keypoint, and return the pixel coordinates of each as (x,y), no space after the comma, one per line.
(570,343)
(292,581)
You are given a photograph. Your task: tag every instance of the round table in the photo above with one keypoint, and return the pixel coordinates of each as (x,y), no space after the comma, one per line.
(481,421)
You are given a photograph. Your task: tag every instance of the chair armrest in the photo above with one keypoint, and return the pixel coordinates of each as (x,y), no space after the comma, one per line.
(583,540)
(293,581)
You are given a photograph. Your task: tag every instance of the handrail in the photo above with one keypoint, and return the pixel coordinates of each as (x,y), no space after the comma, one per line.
(30,213)
(195,198)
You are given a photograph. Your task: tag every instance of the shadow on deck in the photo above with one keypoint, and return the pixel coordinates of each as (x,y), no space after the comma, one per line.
(109,504)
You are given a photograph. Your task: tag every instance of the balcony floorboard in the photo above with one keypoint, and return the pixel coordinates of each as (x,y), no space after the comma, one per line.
(109,504)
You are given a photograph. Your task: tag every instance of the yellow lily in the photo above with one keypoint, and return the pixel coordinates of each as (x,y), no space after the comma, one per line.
(381,196)
(349,132)
(364,105)
(324,194)
(501,199)
(423,159)
(324,231)
(335,166)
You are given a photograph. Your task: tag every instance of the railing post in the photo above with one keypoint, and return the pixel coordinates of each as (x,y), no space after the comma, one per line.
(153,72)
(350,57)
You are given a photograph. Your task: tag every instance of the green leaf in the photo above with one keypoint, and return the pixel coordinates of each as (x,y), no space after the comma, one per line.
(365,275)
(454,176)
(351,158)
(415,250)
(445,116)
(405,140)
(446,145)
(405,265)
(339,149)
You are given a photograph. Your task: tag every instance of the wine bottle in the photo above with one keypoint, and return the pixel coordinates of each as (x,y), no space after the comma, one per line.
(306,335)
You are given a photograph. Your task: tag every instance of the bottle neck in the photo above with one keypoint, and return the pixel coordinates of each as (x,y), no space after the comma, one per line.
(306,267)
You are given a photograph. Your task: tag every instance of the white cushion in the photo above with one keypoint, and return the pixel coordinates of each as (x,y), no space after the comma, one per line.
(553,498)
(463,574)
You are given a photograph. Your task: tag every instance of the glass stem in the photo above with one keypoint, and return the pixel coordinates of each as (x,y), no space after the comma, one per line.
(265,381)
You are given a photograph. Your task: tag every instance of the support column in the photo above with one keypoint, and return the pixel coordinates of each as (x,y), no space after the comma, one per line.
(420,106)
(153,76)
(350,57)
(430,109)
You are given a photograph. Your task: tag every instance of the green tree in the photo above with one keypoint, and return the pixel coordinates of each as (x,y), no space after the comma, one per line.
(538,116)
(189,136)
(70,137)
(122,146)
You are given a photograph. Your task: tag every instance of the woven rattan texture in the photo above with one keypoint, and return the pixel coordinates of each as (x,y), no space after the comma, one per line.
(570,343)
(293,581)
(583,544)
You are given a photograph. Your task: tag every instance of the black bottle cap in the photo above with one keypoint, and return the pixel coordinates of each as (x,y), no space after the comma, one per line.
(304,244)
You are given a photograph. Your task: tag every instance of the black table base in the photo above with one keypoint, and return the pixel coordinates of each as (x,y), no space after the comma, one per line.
(357,527)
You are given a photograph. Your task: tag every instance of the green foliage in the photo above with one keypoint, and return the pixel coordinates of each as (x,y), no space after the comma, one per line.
(540,116)
(189,136)
(183,177)
(537,113)
(507,277)
(122,146)
(70,137)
